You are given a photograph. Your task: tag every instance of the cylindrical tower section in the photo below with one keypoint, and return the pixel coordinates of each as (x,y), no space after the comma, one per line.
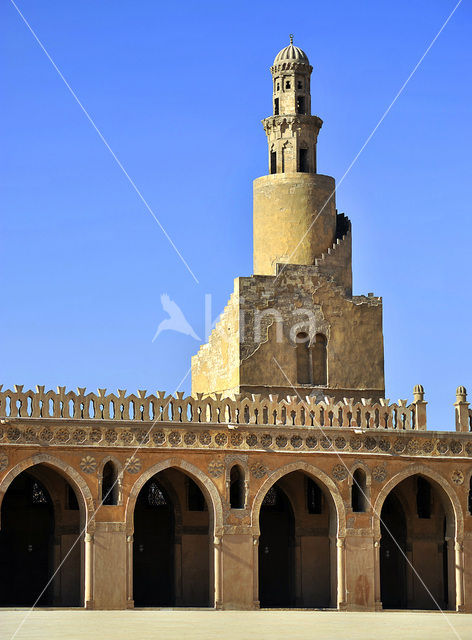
(294,219)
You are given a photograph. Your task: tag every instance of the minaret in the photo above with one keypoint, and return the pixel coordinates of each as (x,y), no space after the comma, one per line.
(294,207)
(294,327)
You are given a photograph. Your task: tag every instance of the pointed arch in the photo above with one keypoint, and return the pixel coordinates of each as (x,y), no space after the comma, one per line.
(86,502)
(439,480)
(337,503)
(206,485)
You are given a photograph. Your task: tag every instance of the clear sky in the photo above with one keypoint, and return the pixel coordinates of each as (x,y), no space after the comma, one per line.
(178,91)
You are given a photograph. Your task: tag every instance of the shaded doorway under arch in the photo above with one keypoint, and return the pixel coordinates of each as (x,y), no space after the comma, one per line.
(297,549)
(171,555)
(392,560)
(40,522)
(276,550)
(420,517)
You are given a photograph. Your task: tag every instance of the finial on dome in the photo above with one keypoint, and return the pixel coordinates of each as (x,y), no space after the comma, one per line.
(291,38)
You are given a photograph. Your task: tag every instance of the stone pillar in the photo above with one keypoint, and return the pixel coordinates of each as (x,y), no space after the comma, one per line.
(218,571)
(129,571)
(418,399)
(462,410)
(255,567)
(377,592)
(341,573)
(298,571)
(178,570)
(459,565)
(88,571)
(238,555)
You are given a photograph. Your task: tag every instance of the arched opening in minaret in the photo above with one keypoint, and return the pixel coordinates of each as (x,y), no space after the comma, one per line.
(417,549)
(470,496)
(301,105)
(303,359)
(320,360)
(303,160)
(273,161)
(171,561)
(40,555)
(296,555)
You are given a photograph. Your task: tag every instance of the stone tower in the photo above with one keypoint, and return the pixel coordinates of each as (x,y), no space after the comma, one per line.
(294,215)
(294,327)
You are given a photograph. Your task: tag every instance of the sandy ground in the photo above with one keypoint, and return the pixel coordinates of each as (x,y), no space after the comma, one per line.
(168,624)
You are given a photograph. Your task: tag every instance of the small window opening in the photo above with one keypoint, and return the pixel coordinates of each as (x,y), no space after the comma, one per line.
(303,359)
(314,497)
(423,498)
(301,104)
(303,160)
(299,84)
(278,86)
(320,360)
(287,84)
(273,162)
(155,496)
(236,488)
(470,496)
(276,107)
(272,499)
(195,497)
(72,502)
(109,484)
(359,491)
(38,494)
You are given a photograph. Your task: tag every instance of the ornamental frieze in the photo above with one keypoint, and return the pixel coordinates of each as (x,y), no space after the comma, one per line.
(281,439)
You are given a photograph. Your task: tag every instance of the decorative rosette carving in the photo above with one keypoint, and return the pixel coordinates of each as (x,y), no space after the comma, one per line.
(174,438)
(111,435)
(379,473)
(251,440)
(311,442)
(258,469)
(205,438)
(339,472)
(158,437)
(221,439)
(88,464)
(133,464)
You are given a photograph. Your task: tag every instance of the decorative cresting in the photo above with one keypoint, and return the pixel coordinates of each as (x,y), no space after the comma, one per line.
(250,410)
(317,474)
(86,503)
(428,473)
(209,489)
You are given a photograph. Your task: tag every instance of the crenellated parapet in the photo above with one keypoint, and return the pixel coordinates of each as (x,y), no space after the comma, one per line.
(251,409)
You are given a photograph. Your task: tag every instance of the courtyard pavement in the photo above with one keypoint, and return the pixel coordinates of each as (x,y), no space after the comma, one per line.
(184,624)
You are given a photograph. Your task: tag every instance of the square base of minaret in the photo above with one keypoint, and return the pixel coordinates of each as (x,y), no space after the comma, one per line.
(295,333)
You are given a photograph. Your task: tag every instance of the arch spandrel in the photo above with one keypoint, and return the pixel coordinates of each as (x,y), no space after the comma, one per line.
(209,489)
(85,499)
(429,474)
(315,473)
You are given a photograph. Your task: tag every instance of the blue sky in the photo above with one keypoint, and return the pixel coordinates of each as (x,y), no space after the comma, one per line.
(178,91)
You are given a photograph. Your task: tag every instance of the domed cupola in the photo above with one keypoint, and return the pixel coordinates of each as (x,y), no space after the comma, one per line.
(291,54)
